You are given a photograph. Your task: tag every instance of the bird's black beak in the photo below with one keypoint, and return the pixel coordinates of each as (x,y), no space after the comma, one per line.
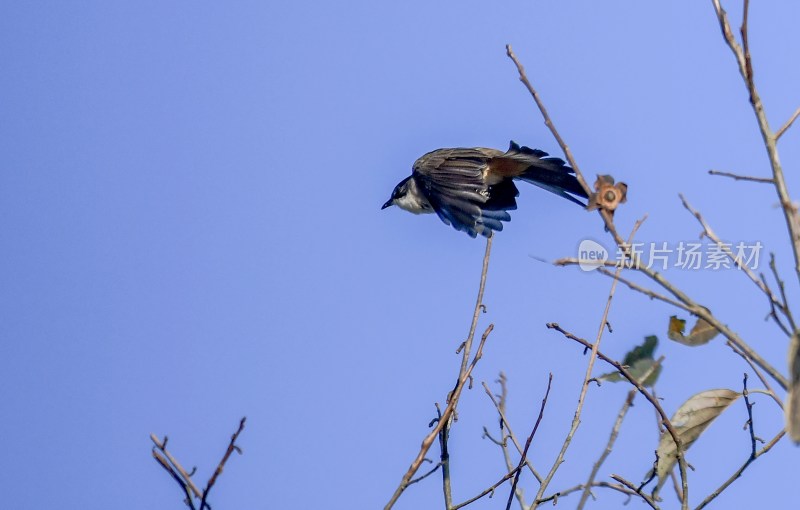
(387,204)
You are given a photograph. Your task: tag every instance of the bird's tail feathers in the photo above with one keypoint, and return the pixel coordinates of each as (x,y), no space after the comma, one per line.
(548,172)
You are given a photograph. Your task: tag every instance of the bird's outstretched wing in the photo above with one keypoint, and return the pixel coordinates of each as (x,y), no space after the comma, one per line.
(453,181)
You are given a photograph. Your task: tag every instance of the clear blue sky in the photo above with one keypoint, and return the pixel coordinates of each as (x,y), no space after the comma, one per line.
(191,233)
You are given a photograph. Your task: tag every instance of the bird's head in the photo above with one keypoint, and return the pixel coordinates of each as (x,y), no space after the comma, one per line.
(398,194)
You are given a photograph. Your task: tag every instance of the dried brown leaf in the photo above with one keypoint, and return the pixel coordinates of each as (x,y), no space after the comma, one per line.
(701,333)
(690,420)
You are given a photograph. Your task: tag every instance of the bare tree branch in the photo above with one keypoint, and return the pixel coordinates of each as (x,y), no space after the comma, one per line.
(463,377)
(625,248)
(547,121)
(184,479)
(630,284)
(506,434)
(737,177)
(448,412)
(426,475)
(609,447)
(614,434)
(788,124)
(743,60)
(782,288)
(613,486)
(179,479)
(489,490)
(650,398)
(231,447)
(179,471)
(774,302)
(444,460)
(760,376)
(607,216)
(506,425)
(754,454)
(528,444)
(684,302)
(576,420)
(647,499)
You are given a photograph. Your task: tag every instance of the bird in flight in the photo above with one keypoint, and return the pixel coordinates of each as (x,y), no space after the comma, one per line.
(473,189)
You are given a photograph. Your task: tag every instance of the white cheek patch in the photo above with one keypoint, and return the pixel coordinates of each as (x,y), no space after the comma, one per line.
(411,204)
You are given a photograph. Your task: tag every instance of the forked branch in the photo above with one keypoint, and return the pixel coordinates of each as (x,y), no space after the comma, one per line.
(183,478)
(464,376)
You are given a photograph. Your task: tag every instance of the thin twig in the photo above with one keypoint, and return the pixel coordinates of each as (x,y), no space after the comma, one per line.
(704,313)
(737,177)
(708,232)
(748,70)
(547,121)
(231,447)
(770,139)
(787,312)
(560,494)
(466,347)
(608,217)
(446,414)
(696,309)
(444,461)
(426,475)
(741,469)
(528,444)
(587,491)
(782,307)
(506,433)
(684,302)
(774,302)
(506,425)
(162,446)
(509,465)
(788,124)
(760,376)
(754,454)
(647,292)
(647,499)
(164,463)
(749,405)
(553,497)
(676,485)
(464,376)
(489,490)
(650,398)
(574,261)
(614,434)
(576,420)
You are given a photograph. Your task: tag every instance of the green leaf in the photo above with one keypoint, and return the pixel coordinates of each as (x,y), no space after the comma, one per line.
(640,369)
(643,351)
(639,362)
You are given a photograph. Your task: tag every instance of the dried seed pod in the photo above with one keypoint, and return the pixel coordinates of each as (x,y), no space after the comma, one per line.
(607,195)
